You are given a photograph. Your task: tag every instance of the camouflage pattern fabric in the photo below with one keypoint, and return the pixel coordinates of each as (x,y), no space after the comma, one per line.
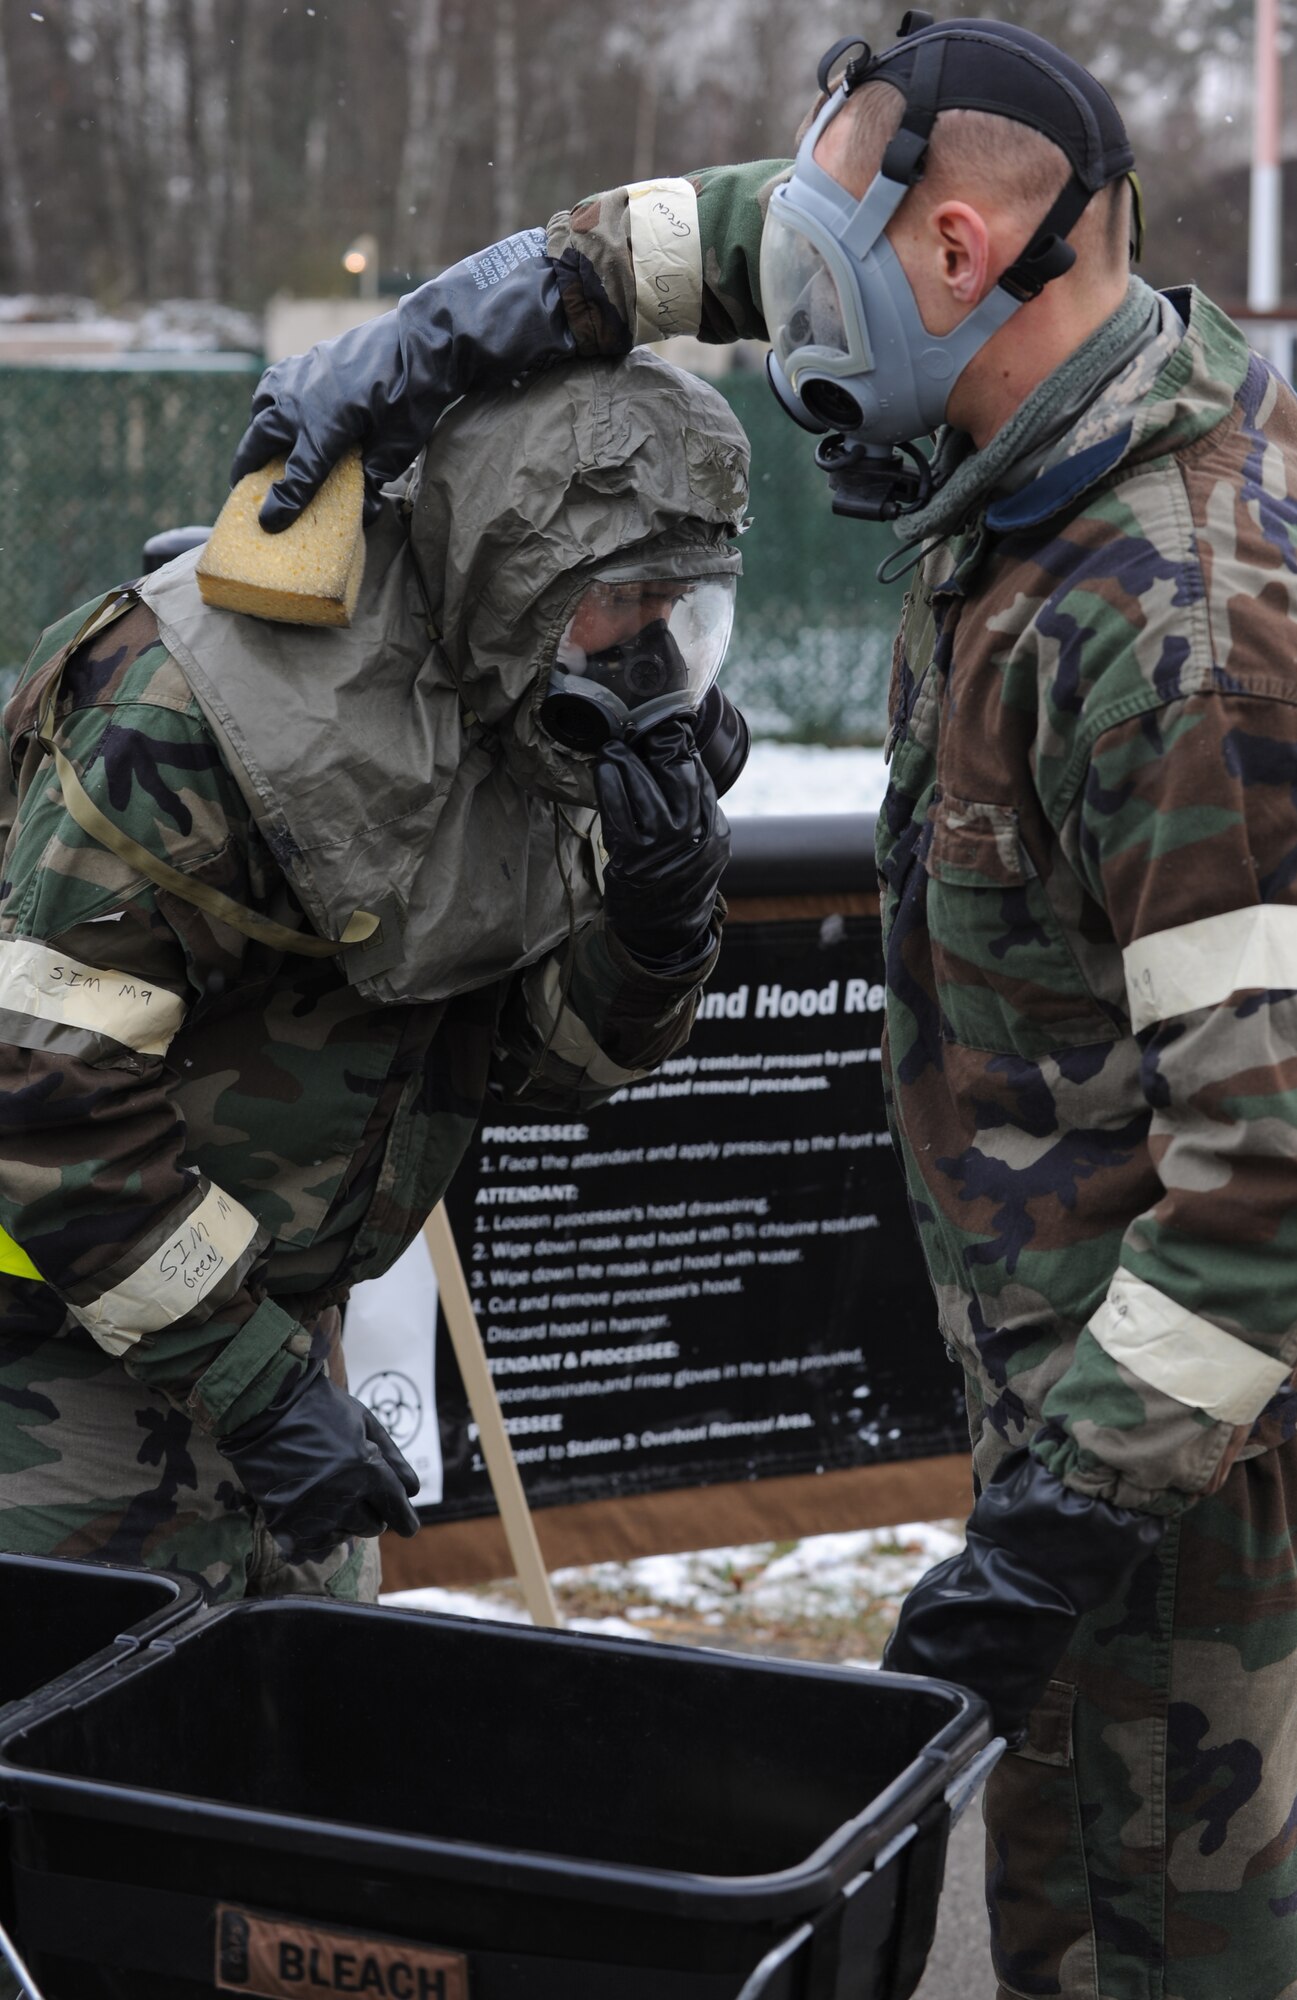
(1090,929)
(1141,1844)
(1087,850)
(206,1141)
(1092,953)
(715,227)
(93,1465)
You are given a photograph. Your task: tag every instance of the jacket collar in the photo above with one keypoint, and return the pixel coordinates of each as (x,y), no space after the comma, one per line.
(1178,390)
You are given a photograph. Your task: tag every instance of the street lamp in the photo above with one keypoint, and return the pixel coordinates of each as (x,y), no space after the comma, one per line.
(361,259)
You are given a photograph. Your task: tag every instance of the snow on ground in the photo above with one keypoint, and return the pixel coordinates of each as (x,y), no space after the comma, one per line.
(827,1597)
(830,1597)
(807,778)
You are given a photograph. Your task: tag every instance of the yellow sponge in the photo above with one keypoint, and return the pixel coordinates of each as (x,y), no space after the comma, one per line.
(308,575)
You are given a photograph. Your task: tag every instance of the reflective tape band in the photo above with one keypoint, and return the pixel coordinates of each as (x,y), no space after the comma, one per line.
(666,251)
(1187,1358)
(1200,964)
(193,1257)
(14,1261)
(38,981)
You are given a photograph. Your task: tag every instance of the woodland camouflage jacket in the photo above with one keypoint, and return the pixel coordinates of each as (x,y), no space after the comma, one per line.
(205,1140)
(1089,861)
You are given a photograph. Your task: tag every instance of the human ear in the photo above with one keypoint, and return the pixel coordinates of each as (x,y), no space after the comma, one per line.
(963,251)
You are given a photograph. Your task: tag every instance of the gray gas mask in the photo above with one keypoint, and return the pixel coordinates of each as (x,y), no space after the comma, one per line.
(850,356)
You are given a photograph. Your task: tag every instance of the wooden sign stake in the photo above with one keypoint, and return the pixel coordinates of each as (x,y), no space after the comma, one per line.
(515,1515)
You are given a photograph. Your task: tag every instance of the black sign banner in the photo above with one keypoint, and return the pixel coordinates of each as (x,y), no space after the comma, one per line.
(714,1276)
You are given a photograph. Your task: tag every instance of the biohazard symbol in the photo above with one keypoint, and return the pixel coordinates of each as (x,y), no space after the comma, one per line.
(396,1403)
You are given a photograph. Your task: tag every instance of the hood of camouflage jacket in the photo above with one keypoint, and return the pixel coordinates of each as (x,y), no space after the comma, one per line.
(392,773)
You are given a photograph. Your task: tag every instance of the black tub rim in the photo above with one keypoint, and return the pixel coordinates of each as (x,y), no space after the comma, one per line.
(854,1846)
(186,1601)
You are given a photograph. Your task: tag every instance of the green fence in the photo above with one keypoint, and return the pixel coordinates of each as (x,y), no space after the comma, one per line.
(96,459)
(812,642)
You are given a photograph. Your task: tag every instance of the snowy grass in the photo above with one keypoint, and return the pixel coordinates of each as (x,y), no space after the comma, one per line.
(808,778)
(825,1597)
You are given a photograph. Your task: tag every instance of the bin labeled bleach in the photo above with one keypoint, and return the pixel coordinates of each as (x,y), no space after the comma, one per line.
(312,1798)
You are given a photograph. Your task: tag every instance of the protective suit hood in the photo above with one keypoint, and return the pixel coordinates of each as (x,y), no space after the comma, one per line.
(388,772)
(635,470)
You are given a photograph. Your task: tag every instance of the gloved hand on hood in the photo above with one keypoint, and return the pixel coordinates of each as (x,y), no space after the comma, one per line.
(321,1467)
(667,842)
(998,1617)
(383,385)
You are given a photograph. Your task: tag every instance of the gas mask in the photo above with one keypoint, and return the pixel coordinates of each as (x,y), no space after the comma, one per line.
(850,356)
(636,650)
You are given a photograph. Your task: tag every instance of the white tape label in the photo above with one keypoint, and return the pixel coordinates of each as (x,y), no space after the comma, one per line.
(195,1255)
(1201,964)
(50,986)
(666,250)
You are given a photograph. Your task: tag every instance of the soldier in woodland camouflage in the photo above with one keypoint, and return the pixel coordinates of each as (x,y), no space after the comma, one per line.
(214,1120)
(1090,909)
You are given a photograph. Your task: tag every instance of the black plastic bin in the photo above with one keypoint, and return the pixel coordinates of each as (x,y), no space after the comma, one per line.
(61,1621)
(379,1801)
(61,1618)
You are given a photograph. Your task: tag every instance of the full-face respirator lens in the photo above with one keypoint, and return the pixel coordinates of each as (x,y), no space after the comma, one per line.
(633,653)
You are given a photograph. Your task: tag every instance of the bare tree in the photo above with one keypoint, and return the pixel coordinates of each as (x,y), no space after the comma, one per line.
(209,133)
(229,147)
(646,109)
(428,149)
(18,227)
(506,118)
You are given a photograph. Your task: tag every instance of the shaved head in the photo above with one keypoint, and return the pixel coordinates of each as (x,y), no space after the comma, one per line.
(978,157)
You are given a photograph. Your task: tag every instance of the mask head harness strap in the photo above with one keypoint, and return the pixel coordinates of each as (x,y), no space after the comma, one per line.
(993,66)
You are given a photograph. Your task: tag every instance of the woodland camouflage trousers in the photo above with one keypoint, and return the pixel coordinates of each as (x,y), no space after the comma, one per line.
(1143,1844)
(93,1465)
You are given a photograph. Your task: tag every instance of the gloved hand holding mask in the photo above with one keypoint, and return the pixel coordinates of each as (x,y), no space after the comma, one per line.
(667,842)
(634,679)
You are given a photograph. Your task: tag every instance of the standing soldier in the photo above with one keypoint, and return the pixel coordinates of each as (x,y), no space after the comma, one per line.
(1090,913)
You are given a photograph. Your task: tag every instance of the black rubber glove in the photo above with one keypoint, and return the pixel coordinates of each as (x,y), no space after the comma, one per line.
(998,1617)
(321,1467)
(384,384)
(667,842)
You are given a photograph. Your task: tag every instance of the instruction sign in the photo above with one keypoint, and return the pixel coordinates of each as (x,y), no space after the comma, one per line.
(714,1276)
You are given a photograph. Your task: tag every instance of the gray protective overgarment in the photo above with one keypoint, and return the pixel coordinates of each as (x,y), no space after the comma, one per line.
(404,773)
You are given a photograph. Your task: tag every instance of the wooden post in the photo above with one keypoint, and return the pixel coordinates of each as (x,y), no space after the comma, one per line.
(515,1515)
